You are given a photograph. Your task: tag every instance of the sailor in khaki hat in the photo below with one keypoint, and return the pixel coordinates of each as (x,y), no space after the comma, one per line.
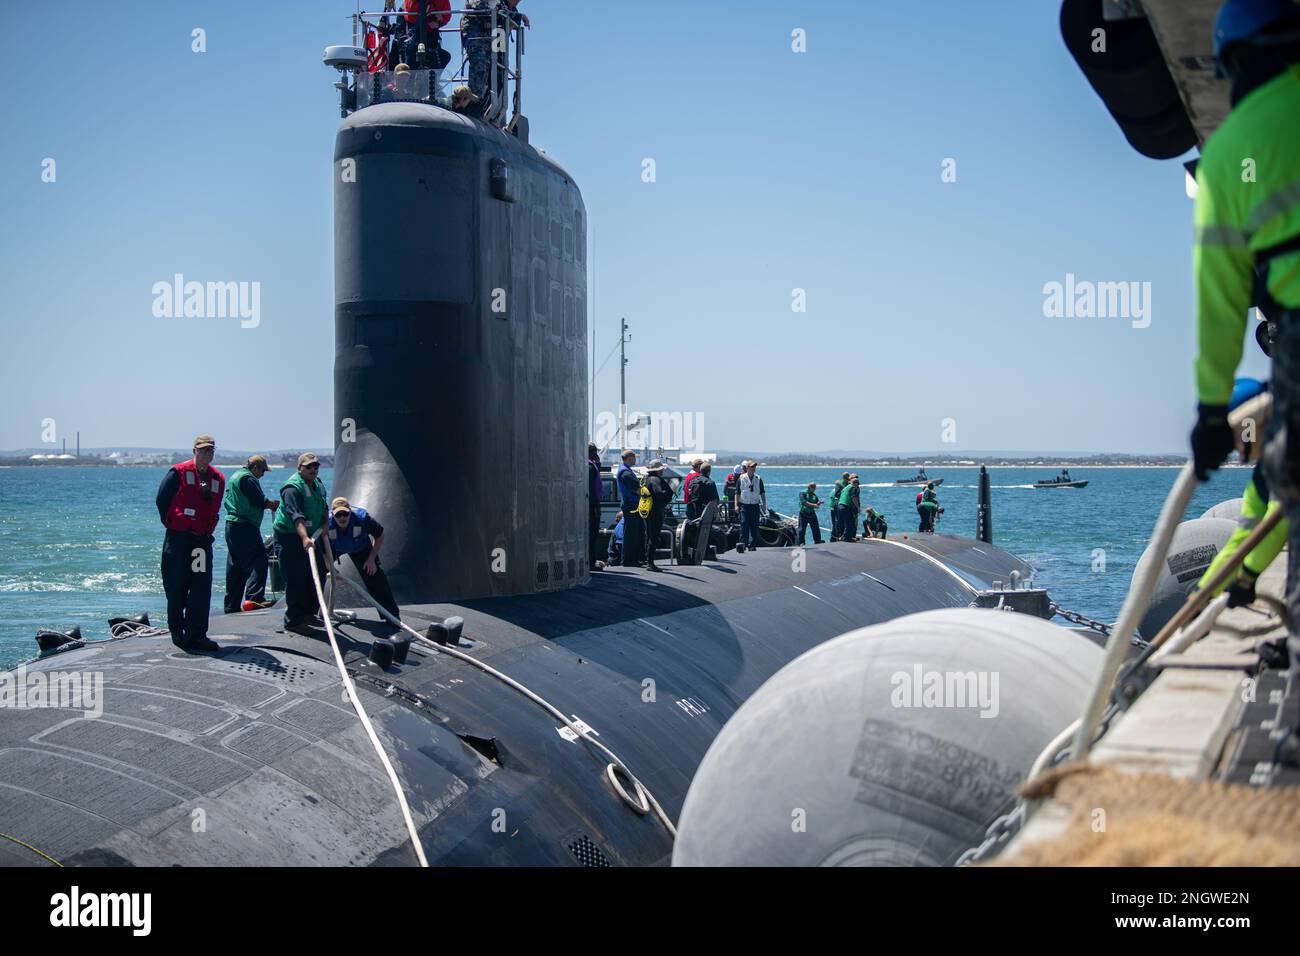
(246,563)
(301,514)
(189,506)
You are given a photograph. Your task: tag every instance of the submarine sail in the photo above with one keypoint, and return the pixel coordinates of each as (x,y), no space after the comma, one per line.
(461,327)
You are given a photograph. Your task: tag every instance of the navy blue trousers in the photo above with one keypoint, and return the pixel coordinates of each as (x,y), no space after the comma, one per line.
(246,565)
(189,591)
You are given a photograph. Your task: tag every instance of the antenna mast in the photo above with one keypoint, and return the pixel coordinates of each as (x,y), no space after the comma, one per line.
(623,338)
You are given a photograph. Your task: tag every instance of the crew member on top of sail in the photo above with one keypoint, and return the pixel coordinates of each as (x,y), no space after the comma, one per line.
(437,14)
(478,43)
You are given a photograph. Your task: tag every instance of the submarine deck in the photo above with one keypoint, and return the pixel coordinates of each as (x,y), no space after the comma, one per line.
(250,756)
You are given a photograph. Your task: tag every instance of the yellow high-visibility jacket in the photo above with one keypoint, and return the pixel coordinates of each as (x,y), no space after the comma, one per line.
(1248,200)
(1254,506)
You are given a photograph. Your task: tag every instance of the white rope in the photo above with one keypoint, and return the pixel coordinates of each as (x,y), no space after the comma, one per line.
(642,802)
(355,698)
(1139,596)
(1135,606)
(124,629)
(1192,632)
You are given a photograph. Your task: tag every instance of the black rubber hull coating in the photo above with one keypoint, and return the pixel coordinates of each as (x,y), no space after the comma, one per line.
(460,391)
(258,738)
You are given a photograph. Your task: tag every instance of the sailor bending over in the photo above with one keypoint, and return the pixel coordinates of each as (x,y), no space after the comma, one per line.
(355,532)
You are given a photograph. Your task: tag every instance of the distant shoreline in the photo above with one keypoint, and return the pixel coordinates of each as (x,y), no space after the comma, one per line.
(91,463)
(903,467)
(939,468)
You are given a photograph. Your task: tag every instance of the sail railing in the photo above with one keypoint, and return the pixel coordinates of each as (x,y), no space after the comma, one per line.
(503,95)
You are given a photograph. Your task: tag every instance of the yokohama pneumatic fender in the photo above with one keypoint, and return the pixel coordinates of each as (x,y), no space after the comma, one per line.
(1230,509)
(1194,546)
(891,745)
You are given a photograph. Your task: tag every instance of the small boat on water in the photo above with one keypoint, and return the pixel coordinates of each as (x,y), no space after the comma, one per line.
(919,479)
(1063,480)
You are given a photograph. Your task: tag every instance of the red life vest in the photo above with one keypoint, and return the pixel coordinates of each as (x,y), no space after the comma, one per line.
(190,510)
(919,495)
(686,485)
(437,15)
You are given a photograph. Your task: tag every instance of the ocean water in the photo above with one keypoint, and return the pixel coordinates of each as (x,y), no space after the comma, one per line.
(80,545)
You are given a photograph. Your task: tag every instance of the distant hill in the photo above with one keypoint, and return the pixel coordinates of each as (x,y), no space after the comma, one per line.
(104,452)
(975,454)
(150,456)
(836,457)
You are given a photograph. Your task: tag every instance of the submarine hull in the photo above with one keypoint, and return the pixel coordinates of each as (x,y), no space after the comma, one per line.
(460,350)
(256,742)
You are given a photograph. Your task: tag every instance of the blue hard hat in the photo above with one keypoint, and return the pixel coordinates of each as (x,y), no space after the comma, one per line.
(1245,389)
(1241,19)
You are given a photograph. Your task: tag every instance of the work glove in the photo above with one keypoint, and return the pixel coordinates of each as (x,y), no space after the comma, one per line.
(1242,590)
(1212,440)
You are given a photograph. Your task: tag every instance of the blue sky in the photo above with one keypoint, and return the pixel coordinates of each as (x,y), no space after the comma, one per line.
(775,171)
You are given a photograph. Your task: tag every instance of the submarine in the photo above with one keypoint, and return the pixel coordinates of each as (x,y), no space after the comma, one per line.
(461,327)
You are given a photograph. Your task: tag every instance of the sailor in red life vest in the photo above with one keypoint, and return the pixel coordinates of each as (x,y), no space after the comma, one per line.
(189,505)
(691,511)
(437,14)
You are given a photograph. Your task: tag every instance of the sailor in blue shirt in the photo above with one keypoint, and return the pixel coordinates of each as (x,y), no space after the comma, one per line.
(629,492)
(354,531)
